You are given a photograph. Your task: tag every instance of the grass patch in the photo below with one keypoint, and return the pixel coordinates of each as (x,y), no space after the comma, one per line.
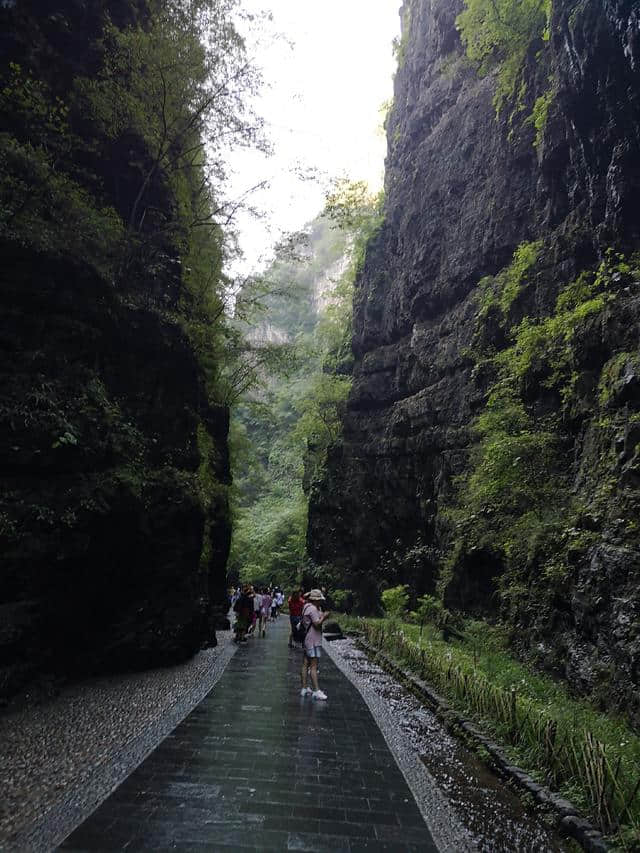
(588,756)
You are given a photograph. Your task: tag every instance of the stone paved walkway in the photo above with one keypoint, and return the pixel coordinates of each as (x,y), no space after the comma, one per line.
(257,767)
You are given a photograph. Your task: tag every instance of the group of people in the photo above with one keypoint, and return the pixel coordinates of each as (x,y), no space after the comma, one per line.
(254,608)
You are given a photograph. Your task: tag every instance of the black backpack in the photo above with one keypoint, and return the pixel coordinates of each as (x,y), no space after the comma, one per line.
(299,631)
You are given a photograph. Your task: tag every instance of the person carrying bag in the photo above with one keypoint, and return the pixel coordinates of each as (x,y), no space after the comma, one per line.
(311,628)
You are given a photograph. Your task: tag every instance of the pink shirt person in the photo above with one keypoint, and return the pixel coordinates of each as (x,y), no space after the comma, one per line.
(311,620)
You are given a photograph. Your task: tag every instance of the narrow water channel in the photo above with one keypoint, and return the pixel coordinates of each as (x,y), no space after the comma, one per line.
(495,819)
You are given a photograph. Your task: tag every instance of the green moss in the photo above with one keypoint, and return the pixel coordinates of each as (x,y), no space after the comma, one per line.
(545,350)
(500,32)
(515,498)
(612,374)
(502,290)
(540,115)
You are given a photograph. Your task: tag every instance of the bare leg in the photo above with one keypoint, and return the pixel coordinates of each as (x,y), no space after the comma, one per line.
(313,665)
(303,671)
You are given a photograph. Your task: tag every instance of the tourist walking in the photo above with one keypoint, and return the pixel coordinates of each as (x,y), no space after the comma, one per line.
(312,620)
(296,603)
(265,611)
(257,604)
(279,599)
(244,611)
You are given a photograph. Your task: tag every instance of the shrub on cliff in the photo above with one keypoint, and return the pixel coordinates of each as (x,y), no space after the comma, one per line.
(517,501)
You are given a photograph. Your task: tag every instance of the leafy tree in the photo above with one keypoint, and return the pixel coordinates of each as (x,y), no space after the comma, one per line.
(319,409)
(342,600)
(429,609)
(293,337)
(288,413)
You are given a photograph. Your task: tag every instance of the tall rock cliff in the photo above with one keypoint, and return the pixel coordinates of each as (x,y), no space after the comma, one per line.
(113,511)
(490,445)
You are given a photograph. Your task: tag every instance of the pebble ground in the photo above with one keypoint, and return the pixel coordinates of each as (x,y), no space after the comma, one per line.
(59,758)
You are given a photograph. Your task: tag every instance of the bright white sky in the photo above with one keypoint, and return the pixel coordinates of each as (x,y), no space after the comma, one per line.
(326,82)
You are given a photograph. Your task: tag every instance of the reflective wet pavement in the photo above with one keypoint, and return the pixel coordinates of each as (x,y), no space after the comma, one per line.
(257,767)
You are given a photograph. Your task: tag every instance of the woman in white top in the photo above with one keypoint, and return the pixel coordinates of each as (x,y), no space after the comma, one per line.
(257,607)
(312,620)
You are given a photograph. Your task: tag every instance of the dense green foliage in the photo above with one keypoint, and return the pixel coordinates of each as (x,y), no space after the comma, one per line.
(540,114)
(501,32)
(114,122)
(502,290)
(283,425)
(111,166)
(394,601)
(283,428)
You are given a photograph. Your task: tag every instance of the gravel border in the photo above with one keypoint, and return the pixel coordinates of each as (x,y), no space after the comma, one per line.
(447,832)
(59,761)
(568,821)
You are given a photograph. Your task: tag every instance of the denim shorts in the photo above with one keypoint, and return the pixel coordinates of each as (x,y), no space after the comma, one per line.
(313,652)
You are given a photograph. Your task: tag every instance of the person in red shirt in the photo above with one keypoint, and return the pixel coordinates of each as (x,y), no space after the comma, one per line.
(244,610)
(296,603)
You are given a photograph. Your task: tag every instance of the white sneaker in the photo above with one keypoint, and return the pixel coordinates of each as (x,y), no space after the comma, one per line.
(305,691)
(318,694)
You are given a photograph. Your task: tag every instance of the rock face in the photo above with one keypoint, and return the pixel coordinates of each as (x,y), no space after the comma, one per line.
(104,517)
(464,189)
(114,521)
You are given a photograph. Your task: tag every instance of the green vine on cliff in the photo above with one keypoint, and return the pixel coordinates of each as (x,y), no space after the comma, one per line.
(540,115)
(499,292)
(515,501)
(499,33)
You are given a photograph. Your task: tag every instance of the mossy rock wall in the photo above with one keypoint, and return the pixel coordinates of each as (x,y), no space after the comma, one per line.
(503,232)
(104,518)
(114,518)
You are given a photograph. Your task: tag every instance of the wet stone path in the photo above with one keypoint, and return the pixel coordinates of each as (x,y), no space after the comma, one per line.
(257,767)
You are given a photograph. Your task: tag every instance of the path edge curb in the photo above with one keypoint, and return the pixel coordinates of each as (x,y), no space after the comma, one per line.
(568,820)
